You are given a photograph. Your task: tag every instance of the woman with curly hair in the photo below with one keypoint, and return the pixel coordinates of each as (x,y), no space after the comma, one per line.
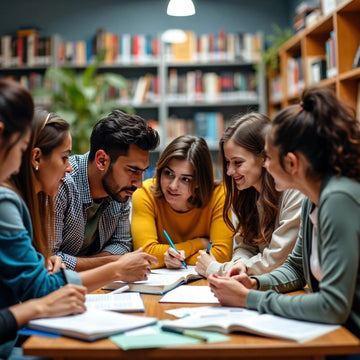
(266,220)
(313,147)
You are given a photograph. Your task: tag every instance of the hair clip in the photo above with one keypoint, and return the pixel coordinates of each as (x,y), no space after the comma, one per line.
(45,122)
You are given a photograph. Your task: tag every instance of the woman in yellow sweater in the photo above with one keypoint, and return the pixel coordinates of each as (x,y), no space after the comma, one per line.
(184,199)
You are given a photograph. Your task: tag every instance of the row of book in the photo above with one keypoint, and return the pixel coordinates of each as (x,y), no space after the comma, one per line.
(295,75)
(218,46)
(192,87)
(210,87)
(29,48)
(317,68)
(209,125)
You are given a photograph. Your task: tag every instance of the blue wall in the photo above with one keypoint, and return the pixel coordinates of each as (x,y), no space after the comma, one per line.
(79,19)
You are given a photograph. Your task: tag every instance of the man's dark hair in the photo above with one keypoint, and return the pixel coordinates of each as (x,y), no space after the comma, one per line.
(116,132)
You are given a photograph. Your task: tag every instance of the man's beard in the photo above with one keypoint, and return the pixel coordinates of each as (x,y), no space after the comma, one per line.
(108,182)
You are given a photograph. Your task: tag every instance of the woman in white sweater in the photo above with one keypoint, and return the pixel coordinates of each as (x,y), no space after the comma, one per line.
(265,222)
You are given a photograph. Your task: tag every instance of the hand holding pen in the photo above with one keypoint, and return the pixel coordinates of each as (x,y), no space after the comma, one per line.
(173,247)
(204,259)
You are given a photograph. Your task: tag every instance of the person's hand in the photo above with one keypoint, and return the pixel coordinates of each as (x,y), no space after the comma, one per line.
(246,280)
(55,264)
(173,259)
(203,261)
(237,269)
(67,300)
(228,291)
(136,265)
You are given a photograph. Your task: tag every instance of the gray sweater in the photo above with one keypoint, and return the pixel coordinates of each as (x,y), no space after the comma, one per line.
(336,298)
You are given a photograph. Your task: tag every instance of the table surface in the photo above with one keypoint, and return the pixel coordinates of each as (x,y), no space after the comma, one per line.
(240,346)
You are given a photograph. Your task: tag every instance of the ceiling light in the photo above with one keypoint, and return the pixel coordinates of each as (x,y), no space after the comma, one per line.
(181,8)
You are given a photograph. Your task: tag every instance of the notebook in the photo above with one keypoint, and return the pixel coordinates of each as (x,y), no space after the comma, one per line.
(252,322)
(92,324)
(159,281)
(125,302)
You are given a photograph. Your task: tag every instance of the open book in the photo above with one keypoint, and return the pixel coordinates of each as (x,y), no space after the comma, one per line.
(126,302)
(159,280)
(236,319)
(91,325)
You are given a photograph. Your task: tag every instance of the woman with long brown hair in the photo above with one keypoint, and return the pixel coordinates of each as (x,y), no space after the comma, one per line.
(266,221)
(185,200)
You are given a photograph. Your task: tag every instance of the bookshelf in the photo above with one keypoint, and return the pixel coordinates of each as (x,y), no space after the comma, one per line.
(213,75)
(324,54)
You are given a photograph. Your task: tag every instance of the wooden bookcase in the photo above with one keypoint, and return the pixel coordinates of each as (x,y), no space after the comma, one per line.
(342,26)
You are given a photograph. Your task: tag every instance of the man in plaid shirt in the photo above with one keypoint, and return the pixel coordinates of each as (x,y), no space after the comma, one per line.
(93,204)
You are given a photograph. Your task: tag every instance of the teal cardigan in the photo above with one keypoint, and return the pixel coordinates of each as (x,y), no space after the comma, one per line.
(336,298)
(23,274)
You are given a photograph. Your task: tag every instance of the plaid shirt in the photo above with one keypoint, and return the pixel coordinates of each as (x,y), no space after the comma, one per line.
(73,199)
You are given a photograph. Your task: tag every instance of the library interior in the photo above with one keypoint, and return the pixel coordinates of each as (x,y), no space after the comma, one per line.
(185,74)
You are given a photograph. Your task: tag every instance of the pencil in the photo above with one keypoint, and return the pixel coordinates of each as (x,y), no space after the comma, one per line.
(209,247)
(188,333)
(173,246)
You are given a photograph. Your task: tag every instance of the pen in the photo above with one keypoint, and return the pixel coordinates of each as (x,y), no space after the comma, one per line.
(173,246)
(184,332)
(120,290)
(209,247)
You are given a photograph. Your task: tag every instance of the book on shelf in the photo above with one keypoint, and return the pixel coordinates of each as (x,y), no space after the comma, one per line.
(125,302)
(356,61)
(159,281)
(331,56)
(315,68)
(142,88)
(209,125)
(249,321)
(91,325)
(186,50)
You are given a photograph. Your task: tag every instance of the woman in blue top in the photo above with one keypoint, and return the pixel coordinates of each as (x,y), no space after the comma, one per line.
(315,148)
(16,112)
(23,274)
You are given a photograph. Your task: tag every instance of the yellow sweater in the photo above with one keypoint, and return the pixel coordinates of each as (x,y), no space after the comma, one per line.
(150,216)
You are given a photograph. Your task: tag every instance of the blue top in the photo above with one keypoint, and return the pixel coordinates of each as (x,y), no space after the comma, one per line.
(73,199)
(22,269)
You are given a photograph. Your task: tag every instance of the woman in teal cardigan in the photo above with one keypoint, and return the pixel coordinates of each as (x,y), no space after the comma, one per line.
(315,148)
(43,142)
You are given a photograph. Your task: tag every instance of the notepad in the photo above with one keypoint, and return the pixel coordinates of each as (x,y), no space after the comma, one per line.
(159,281)
(92,324)
(125,302)
(190,294)
(255,323)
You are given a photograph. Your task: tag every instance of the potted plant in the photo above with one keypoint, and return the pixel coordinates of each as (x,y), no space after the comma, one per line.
(270,56)
(81,97)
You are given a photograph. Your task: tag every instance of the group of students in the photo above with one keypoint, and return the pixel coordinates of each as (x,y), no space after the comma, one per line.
(286,214)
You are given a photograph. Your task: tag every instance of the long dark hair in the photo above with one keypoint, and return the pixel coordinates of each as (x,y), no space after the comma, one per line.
(16,111)
(248,132)
(48,132)
(322,128)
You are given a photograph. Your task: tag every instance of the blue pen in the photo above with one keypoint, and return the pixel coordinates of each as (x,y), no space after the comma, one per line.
(209,247)
(173,246)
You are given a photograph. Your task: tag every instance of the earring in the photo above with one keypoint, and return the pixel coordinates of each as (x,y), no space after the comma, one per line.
(37,168)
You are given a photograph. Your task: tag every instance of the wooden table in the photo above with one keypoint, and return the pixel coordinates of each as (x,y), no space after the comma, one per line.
(240,346)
